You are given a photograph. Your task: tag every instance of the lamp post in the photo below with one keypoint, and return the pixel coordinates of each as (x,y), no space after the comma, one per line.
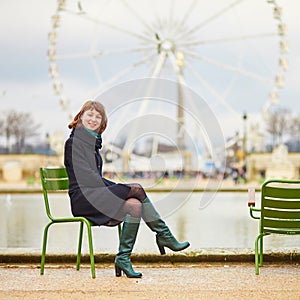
(245,136)
(47,144)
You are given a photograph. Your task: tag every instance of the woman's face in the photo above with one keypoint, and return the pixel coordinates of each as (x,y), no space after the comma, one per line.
(91,119)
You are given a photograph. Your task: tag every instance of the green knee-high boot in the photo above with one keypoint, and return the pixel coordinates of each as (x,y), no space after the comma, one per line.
(127,240)
(164,237)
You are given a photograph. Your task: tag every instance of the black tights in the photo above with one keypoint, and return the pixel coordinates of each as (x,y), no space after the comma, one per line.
(133,203)
(136,191)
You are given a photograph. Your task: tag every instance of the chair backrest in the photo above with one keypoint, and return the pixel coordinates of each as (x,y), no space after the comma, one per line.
(280,207)
(53,179)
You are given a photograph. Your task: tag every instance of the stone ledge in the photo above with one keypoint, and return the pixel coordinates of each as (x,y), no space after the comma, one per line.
(207,255)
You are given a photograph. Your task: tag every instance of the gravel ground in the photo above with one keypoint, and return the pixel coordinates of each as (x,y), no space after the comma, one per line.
(164,281)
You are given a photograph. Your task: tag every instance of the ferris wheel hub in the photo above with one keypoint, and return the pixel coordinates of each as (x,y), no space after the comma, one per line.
(168,45)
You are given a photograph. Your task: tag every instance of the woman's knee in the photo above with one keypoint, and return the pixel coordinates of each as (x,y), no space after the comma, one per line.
(134,207)
(138,192)
(133,202)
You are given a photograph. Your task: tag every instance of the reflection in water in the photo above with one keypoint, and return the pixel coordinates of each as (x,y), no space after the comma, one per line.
(224,223)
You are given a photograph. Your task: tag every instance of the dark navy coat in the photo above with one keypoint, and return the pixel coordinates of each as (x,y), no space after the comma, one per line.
(92,196)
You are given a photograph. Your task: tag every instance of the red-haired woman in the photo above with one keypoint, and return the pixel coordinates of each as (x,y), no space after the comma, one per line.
(102,201)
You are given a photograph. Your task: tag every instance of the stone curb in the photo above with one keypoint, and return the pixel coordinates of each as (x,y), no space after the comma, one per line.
(191,257)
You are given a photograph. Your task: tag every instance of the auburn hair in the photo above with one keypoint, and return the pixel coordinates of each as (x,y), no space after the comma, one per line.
(89,105)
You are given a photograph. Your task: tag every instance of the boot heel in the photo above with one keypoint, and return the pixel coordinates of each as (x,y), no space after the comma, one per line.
(118,271)
(162,250)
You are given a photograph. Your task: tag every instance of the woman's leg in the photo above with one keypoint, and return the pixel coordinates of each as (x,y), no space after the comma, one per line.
(164,237)
(132,207)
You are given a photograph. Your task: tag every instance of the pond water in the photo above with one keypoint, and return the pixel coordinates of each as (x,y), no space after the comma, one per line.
(224,222)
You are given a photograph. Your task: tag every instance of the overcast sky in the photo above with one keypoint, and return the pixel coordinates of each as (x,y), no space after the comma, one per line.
(26,87)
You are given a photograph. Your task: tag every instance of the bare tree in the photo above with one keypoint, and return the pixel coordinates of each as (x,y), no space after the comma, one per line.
(19,126)
(278,124)
(295,127)
(271,126)
(9,125)
(283,123)
(1,127)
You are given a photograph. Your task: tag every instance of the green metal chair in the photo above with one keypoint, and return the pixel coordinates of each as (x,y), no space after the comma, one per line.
(279,212)
(56,180)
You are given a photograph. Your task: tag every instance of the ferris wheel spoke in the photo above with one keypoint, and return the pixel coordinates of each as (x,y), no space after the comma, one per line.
(158,67)
(159,64)
(124,72)
(170,17)
(137,15)
(71,56)
(185,93)
(180,79)
(96,70)
(229,67)
(85,16)
(144,105)
(103,53)
(226,40)
(175,66)
(186,16)
(217,95)
(210,19)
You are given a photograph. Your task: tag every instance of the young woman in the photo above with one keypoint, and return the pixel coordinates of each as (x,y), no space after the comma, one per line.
(102,201)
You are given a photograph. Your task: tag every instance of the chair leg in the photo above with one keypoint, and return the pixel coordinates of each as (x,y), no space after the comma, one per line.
(90,239)
(261,251)
(257,253)
(44,247)
(79,246)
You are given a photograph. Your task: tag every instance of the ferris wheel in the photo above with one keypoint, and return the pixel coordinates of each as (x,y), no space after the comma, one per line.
(232,52)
